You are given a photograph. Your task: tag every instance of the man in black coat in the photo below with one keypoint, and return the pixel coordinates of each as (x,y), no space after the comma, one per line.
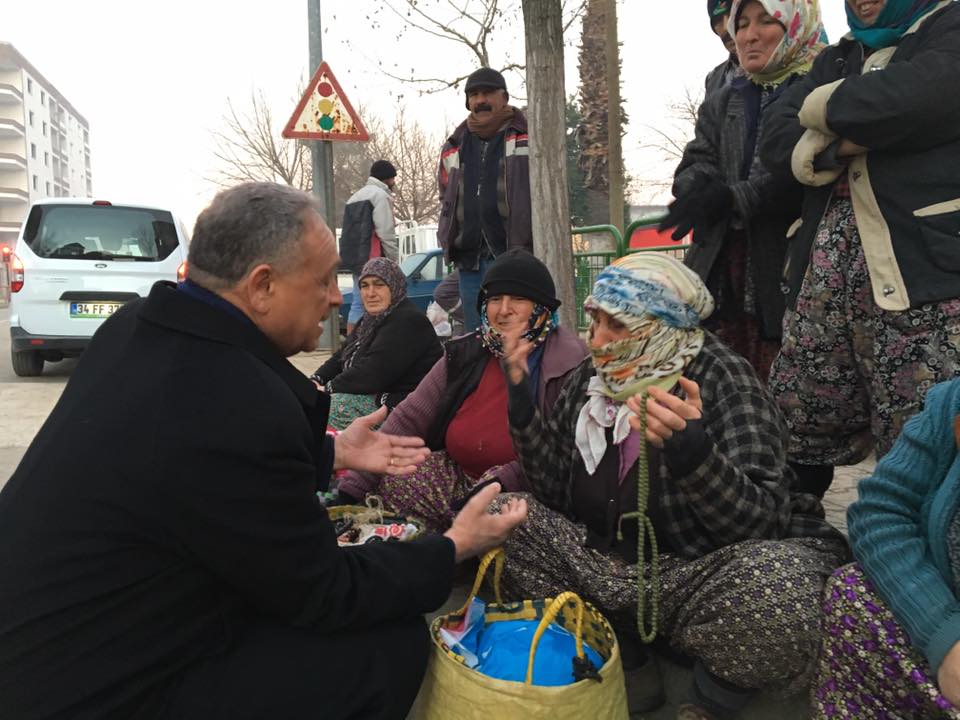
(162,550)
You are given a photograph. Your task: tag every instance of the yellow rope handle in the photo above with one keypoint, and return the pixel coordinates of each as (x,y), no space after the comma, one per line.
(493,556)
(549,615)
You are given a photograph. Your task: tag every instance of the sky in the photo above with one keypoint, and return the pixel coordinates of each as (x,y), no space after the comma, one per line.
(153,78)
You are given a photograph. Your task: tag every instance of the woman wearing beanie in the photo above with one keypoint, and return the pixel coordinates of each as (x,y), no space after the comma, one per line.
(738,213)
(661,493)
(460,408)
(873,270)
(392,346)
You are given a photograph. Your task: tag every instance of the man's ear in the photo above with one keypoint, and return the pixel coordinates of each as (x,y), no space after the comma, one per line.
(956,430)
(260,286)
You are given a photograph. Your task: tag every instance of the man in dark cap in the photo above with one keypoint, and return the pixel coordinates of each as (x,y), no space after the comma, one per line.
(722,74)
(484,179)
(368,229)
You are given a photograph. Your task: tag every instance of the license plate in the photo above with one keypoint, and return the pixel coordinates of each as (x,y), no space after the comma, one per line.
(93,310)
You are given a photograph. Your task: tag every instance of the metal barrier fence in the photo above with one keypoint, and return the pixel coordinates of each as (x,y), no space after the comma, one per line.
(588,265)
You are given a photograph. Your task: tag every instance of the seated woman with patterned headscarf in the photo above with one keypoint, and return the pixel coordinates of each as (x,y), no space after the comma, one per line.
(391,348)
(661,493)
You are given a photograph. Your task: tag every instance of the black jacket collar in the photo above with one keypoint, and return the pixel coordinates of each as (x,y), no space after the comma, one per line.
(180,312)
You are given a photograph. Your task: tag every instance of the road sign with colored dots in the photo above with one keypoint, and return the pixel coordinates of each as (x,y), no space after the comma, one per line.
(324,113)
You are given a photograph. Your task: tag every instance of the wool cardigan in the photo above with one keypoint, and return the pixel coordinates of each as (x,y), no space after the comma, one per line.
(898,526)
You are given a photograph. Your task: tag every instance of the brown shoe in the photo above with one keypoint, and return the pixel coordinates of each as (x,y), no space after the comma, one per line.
(689,711)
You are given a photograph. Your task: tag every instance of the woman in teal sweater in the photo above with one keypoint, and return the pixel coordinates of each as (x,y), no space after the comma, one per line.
(891,643)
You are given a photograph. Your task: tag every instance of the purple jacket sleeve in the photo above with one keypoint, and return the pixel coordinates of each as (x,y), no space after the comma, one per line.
(413,416)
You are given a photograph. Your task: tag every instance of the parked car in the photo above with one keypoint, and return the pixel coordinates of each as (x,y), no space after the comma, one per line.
(75,263)
(424,271)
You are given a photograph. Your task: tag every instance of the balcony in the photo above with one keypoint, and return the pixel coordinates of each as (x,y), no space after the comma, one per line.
(10,129)
(10,94)
(13,196)
(12,161)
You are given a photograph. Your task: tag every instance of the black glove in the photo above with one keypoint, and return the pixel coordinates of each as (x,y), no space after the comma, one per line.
(706,202)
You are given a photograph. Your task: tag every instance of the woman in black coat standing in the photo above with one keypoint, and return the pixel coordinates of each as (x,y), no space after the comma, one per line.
(740,213)
(391,348)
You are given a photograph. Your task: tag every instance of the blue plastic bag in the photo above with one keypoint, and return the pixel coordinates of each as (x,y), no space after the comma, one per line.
(501,650)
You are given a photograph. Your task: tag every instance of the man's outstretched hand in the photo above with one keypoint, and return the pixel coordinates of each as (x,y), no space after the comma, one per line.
(475,530)
(360,447)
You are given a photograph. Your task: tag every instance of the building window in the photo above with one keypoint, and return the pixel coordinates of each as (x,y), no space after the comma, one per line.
(31,118)
(36,183)
(46,159)
(43,97)
(44,125)
(33,150)
(48,189)
(30,86)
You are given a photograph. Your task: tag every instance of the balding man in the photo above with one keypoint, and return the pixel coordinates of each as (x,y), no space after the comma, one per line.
(162,550)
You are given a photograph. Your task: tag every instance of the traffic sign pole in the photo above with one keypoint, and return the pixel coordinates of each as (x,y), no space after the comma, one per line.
(322,156)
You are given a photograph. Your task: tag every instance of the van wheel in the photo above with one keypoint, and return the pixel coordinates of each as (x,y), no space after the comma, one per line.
(28,363)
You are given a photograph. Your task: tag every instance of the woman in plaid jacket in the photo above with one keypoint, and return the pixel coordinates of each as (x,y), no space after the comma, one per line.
(665,460)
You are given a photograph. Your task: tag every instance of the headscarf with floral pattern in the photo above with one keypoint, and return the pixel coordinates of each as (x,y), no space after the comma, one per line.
(803,38)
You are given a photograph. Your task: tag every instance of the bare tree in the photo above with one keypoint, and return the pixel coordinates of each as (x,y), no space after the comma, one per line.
(473,25)
(412,151)
(250,147)
(670,139)
(543,26)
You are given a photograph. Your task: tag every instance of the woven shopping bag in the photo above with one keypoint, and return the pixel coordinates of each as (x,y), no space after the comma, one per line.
(453,691)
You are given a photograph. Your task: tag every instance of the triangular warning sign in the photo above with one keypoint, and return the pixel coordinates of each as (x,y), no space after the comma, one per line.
(324,113)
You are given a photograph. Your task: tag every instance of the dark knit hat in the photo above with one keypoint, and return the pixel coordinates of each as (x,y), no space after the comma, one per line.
(717,8)
(517,272)
(484,78)
(383,170)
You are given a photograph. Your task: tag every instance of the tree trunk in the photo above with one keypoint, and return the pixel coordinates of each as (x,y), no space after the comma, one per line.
(543,27)
(615,155)
(592,132)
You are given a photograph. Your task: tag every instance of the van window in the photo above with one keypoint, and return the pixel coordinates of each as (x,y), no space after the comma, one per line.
(100,232)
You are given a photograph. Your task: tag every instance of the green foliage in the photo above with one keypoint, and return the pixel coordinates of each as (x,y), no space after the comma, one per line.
(575,184)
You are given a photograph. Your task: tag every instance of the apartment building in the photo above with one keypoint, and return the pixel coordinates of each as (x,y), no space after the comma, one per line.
(44,142)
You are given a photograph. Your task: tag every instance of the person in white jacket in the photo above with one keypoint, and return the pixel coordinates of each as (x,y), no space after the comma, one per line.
(368,229)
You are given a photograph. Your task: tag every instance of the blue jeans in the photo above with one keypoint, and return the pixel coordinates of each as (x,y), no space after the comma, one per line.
(470,281)
(356,304)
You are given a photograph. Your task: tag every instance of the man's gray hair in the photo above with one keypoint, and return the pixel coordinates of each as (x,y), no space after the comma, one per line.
(244,226)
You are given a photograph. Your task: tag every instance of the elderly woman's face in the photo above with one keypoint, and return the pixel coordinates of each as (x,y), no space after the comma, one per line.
(606,329)
(374,294)
(508,312)
(866,10)
(758,35)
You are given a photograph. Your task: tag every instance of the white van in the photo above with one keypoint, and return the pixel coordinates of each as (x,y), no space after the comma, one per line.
(76,261)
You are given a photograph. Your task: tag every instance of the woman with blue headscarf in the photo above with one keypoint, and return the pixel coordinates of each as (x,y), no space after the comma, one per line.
(660,493)
(873,267)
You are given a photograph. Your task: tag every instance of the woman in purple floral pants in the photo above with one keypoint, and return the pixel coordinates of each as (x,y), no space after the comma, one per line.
(872,274)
